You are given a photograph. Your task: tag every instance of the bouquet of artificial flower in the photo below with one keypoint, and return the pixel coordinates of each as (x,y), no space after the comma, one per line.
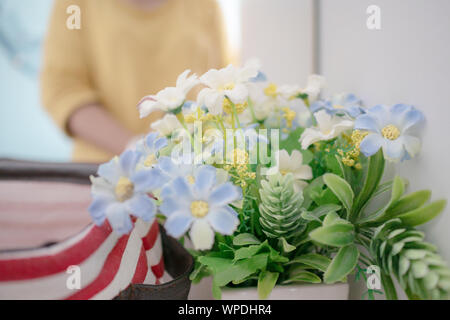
(272,185)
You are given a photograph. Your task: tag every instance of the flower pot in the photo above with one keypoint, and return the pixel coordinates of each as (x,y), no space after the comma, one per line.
(49,249)
(338,291)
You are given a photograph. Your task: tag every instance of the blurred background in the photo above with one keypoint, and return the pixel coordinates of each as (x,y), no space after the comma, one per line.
(406,61)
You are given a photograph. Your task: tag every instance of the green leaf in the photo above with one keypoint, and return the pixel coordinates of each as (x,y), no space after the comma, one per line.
(244,239)
(398,188)
(303,276)
(286,247)
(332,218)
(313,260)
(246,252)
(216,291)
(340,188)
(226,271)
(424,214)
(291,142)
(337,235)
(342,264)
(373,176)
(266,282)
(326,208)
(408,203)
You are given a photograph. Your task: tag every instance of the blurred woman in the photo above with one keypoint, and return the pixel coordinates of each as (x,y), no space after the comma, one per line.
(94,76)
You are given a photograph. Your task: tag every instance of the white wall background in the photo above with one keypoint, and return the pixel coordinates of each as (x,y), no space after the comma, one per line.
(279,33)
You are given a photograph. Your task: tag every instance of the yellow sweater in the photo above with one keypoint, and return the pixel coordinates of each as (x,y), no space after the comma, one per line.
(121,54)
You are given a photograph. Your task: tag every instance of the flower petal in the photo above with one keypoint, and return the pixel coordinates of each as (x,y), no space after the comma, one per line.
(371,144)
(223,221)
(97,209)
(110,171)
(205,180)
(238,95)
(412,145)
(160,143)
(119,218)
(303,173)
(181,188)
(412,119)
(128,161)
(367,122)
(171,205)
(202,235)
(150,139)
(394,150)
(142,206)
(224,194)
(148,180)
(177,224)
(310,136)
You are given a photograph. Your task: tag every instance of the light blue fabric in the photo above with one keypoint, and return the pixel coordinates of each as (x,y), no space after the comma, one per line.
(26,130)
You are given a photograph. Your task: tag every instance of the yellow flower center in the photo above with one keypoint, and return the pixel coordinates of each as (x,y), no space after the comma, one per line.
(150,160)
(226,87)
(338,106)
(390,132)
(228,106)
(191,179)
(284,172)
(124,189)
(271,90)
(199,209)
(289,115)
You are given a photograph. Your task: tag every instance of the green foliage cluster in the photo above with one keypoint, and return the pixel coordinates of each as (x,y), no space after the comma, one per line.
(325,233)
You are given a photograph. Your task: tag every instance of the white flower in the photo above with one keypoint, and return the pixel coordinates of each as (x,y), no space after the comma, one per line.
(293,164)
(167,125)
(289,91)
(229,82)
(313,87)
(169,98)
(328,127)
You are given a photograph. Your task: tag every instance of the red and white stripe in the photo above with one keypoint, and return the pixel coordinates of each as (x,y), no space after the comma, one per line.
(108,264)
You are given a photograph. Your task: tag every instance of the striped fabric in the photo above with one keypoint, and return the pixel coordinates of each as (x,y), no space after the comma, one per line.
(108,264)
